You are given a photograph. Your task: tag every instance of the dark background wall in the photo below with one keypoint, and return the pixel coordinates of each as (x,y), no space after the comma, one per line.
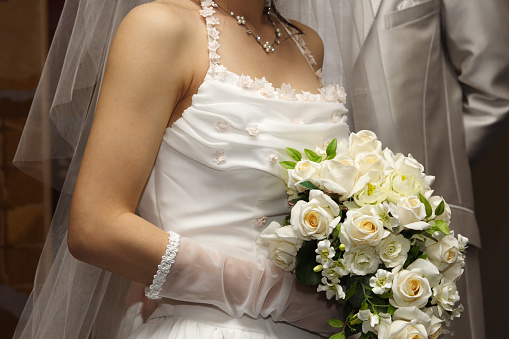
(26,26)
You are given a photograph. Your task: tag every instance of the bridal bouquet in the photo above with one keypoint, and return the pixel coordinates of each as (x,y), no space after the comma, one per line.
(366,229)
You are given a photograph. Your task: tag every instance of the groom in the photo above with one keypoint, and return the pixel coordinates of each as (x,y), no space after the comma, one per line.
(436,72)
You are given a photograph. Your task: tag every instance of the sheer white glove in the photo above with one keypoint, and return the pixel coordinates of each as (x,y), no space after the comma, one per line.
(241,284)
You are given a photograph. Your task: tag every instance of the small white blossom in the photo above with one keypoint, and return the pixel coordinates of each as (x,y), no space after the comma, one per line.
(325,253)
(222,126)
(252,130)
(219,157)
(273,157)
(245,82)
(286,93)
(206,12)
(333,289)
(369,320)
(381,282)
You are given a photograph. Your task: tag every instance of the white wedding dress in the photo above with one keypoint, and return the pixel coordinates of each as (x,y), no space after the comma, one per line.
(217,179)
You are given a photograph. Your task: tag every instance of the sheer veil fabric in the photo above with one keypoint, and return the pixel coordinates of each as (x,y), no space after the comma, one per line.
(72,299)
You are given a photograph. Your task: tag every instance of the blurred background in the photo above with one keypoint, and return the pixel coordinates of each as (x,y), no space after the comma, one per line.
(26,28)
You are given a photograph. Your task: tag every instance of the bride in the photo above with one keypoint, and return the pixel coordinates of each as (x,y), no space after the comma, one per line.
(180,175)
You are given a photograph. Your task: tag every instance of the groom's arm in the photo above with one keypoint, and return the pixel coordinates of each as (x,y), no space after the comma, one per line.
(477,41)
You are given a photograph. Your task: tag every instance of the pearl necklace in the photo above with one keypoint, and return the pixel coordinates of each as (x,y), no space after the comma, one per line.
(267,46)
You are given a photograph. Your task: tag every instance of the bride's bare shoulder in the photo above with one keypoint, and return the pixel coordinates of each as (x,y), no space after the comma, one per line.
(313,41)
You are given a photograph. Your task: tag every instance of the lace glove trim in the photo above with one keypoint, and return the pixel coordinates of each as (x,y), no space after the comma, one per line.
(168,259)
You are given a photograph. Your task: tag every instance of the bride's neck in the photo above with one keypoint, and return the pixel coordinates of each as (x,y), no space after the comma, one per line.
(252,10)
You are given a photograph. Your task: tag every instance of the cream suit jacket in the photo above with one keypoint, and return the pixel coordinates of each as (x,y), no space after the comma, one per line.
(446,67)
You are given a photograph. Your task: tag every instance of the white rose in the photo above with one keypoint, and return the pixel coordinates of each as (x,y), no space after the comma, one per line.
(371,195)
(446,216)
(445,255)
(371,164)
(282,245)
(401,184)
(364,142)
(410,288)
(313,219)
(393,250)
(411,212)
(340,176)
(409,322)
(305,170)
(362,260)
(435,327)
(409,165)
(362,228)
(445,295)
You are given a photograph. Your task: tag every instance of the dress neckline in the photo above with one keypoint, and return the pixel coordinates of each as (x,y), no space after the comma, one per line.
(330,93)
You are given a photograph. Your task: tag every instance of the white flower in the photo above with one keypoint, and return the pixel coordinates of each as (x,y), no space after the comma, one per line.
(340,176)
(364,142)
(313,219)
(383,210)
(462,243)
(435,327)
(213,46)
(410,288)
(282,245)
(219,157)
(222,126)
(206,12)
(218,72)
(213,33)
(333,289)
(411,212)
(307,96)
(273,158)
(325,253)
(445,255)
(381,282)
(297,121)
(373,165)
(409,322)
(305,170)
(361,228)
(264,87)
(445,295)
(369,320)
(371,195)
(337,270)
(362,260)
(393,250)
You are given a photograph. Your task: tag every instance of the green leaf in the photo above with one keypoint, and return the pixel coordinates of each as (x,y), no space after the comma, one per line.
(440,208)
(386,295)
(312,155)
(368,335)
(442,227)
(306,261)
(338,336)
(351,291)
(288,164)
(294,154)
(331,148)
(351,330)
(391,309)
(335,323)
(427,205)
(309,185)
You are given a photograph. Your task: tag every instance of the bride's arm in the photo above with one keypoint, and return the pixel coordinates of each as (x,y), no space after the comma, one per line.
(150,69)
(146,75)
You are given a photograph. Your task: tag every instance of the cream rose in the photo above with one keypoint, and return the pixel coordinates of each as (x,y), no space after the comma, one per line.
(410,288)
(371,164)
(305,170)
(393,250)
(445,255)
(313,219)
(341,176)
(362,260)
(282,244)
(364,142)
(411,212)
(362,228)
(409,322)
(445,295)
(400,185)
(446,216)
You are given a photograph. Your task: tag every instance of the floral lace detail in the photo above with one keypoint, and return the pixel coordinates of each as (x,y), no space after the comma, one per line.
(273,157)
(253,130)
(333,93)
(305,50)
(222,126)
(308,96)
(168,259)
(335,118)
(219,157)
(217,71)
(286,93)
(297,121)
(259,222)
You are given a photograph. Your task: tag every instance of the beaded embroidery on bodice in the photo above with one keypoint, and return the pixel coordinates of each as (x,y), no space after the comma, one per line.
(329,93)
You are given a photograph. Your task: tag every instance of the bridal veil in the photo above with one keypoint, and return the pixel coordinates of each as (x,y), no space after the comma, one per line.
(71,299)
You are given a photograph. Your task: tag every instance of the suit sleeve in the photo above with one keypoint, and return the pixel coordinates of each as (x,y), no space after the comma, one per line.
(476,35)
